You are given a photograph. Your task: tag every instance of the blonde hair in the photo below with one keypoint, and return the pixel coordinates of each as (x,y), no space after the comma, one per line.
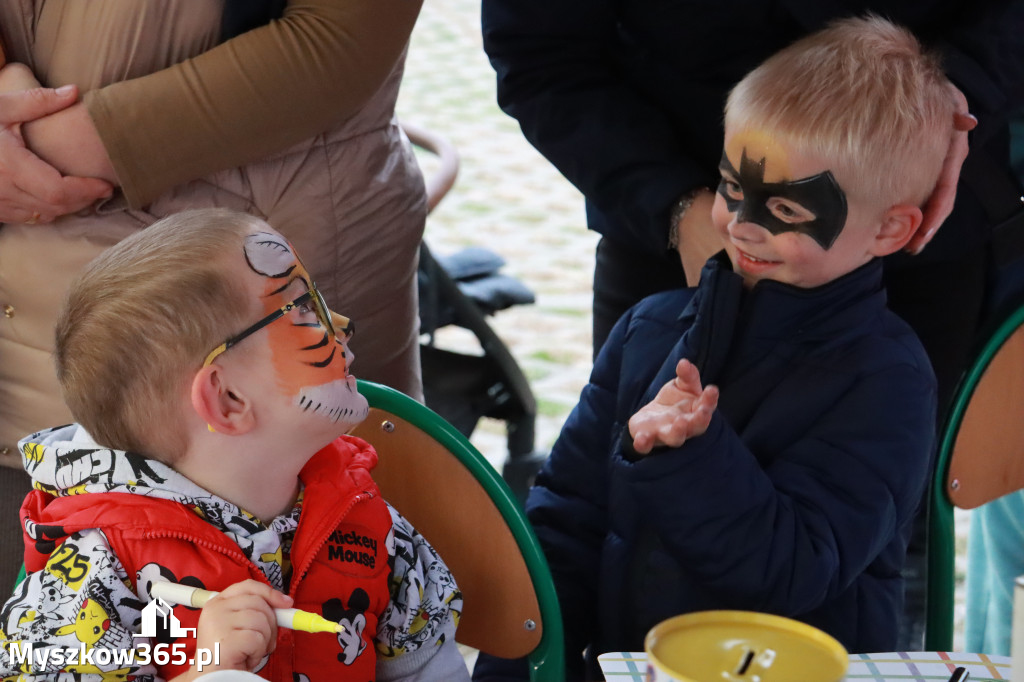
(863,95)
(138,322)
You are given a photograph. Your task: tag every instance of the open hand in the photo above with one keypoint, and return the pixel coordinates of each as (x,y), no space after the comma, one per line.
(681,410)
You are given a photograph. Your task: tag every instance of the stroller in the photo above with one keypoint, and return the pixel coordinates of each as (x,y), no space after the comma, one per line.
(462,289)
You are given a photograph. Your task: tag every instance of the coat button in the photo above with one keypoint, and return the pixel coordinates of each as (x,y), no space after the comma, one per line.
(8,310)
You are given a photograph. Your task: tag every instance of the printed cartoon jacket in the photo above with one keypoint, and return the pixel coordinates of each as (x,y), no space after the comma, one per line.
(103,525)
(796,501)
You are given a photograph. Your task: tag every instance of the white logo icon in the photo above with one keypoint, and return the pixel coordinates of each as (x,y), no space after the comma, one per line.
(158,608)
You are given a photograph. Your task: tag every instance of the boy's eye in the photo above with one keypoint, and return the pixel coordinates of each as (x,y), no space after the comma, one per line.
(731,188)
(304,314)
(789,212)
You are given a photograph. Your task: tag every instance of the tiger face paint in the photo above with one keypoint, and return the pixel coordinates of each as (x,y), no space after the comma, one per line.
(310,363)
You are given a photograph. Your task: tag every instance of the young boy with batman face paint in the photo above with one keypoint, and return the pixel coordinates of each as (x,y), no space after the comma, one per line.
(762,441)
(213,390)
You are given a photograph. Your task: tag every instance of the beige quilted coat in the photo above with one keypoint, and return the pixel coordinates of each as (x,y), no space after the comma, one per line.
(351,199)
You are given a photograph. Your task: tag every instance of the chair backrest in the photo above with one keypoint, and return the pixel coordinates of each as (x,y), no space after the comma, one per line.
(431,474)
(981,458)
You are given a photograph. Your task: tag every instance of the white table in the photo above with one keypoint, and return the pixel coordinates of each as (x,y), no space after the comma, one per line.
(899,666)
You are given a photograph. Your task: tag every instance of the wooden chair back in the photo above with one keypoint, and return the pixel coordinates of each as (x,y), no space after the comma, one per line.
(981,458)
(431,474)
(987,459)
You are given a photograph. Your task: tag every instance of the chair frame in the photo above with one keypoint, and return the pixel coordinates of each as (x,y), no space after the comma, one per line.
(941,522)
(547,660)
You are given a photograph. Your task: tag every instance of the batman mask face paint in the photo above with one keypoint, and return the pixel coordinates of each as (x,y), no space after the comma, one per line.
(815,205)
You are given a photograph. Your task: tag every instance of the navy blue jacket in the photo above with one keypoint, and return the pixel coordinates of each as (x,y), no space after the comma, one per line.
(796,501)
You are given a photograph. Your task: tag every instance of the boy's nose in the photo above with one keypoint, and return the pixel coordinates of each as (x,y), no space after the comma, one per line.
(746,231)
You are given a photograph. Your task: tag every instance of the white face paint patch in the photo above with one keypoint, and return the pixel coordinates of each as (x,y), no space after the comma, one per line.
(338,401)
(269,254)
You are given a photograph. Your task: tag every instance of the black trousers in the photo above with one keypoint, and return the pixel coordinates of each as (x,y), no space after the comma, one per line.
(622,277)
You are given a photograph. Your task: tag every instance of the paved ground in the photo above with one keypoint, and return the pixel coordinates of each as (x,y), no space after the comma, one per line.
(509,199)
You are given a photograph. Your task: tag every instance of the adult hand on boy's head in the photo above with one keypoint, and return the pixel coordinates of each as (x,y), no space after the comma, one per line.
(242,620)
(681,410)
(940,204)
(31,190)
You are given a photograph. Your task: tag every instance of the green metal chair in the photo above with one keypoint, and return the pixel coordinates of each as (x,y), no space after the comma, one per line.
(980,458)
(455,498)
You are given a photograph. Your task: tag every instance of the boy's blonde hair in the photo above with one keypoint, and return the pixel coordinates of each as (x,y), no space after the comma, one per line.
(862,95)
(138,322)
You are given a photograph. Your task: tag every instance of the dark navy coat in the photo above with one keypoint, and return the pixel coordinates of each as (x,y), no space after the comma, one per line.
(625,97)
(796,501)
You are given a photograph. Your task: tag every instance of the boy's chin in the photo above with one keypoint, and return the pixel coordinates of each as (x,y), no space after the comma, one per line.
(336,404)
(332,428)
(347,425)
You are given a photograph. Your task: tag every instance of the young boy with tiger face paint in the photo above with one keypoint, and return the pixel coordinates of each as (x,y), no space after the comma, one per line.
(762,441)
(305,351)
(317,376)
(213,389)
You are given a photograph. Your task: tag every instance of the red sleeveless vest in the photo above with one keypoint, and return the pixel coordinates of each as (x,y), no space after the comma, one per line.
(340,561)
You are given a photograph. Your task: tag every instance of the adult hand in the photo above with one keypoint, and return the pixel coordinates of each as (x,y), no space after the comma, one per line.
(698,237)
(940,204)
(31,190)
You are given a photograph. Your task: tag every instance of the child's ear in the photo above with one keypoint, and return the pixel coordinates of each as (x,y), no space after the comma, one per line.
(224,410)
(899,224)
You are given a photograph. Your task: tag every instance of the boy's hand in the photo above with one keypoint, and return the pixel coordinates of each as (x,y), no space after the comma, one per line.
(681,410)
(242,620)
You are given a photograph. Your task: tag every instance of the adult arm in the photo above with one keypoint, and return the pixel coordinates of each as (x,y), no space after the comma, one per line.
(983,54)
(252,95)
(30,188)
(616,145)
(66,139)
(788,536)
(982,51)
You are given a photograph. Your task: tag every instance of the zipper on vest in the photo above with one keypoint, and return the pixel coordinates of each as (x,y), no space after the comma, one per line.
(217,547)
(298,575)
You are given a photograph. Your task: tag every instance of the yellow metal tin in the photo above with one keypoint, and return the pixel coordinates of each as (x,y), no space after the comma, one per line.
(741,646)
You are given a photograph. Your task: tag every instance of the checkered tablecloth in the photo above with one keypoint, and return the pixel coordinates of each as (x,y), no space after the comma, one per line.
(900,666)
